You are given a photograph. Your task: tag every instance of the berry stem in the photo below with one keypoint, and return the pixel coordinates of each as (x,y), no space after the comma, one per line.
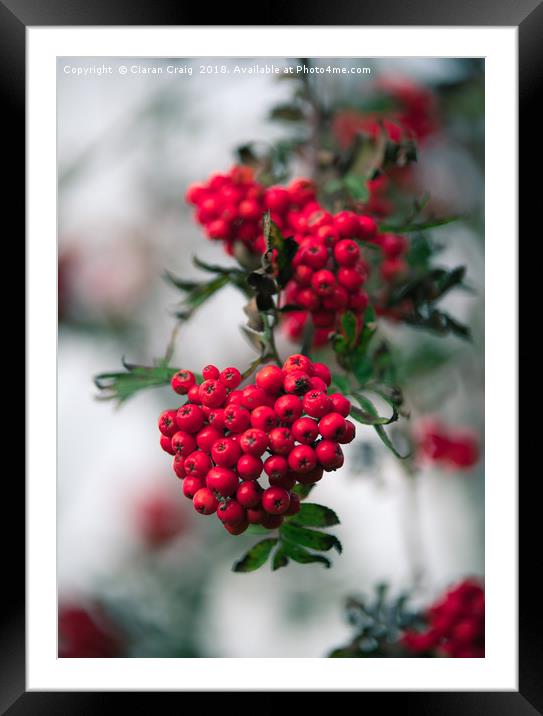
(270,338)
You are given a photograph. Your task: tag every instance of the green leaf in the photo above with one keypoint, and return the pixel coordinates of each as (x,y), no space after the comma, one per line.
(256,556)
(280,558)
(368,414)
(417,226)
(342,383)
(370,408)
(309,538)
(286,250)
(303,556)
(312,515)
(303,490)
(121,385)
(356,186)
(287,113)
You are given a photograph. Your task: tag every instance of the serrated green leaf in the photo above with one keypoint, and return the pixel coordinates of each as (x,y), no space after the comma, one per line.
(313,515)
(309,538)
(303,556)
(256,556)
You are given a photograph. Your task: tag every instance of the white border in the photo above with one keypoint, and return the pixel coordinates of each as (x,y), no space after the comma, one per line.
(498,671)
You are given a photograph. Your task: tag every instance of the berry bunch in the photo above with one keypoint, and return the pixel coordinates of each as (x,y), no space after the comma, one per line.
(456,624)
(286,425)
(457,449)
(231,206)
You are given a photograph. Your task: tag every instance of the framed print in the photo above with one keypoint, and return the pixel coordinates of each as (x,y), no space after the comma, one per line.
(271,414)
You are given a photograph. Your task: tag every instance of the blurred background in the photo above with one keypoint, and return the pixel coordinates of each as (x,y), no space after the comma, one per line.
(139,574)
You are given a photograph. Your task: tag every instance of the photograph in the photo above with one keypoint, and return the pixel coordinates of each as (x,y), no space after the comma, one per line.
(271,357)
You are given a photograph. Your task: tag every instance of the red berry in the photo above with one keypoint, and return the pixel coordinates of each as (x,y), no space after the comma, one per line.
(248,494)
(308,299)
(236,418)
(317,384)
(294,506)
(183,381)
(179,466)
(323,283)
(297,361)
(347,224)
(296,382)
(254,442)
(166,444)
(276,466)
(225,452)
(303,275)
(288,408)
(313,253)
(359,301)
(350,278)
(234,398)
(205,502)
(255,515)
(210,372)
(349,435)
(320,370)
(166,423)
(340,404)
(338,298)
(194,395)
(346,252)
(183,443)
(191,485)
(302,459)
(277,199)
(197,464)
(390,268)
(190,418)
(253,397)
(392,245)
(249,467)
(332,426)
(218,229)
(238,528)
(207,437)
(286,481)
(264,418)
(317,404)
(309,478)
(281,441)
(329,454)
(270,379)
(231,512)
(222,480)
(212,393)
(367,228)
(270,521)
(215,418)
(305,430)
(231,378)
(276,500)
(250,209)
(195,193)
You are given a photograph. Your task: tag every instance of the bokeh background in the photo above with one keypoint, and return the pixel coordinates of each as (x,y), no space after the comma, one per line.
(132,553)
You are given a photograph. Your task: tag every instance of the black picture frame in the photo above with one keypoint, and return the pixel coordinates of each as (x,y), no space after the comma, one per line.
(527,15)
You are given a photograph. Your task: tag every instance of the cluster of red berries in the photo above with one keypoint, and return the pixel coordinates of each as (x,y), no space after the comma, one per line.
(86,632)
(456,624)
(221,435)
(231,206)
(457,449)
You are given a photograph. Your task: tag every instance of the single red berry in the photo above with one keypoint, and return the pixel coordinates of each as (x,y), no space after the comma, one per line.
(286,481)
(179,466)
(302,459)
(323,283)
(346,252)
(276,466)
(248,494)
(182,381)
(190,418)
(222,480)
(166,444)
(281,441)
(197,464)
(210,372)
(183,443)
(329,454)
(212,393)
(271,522)
(317,384)
(316,404)
(332,426)
(350,278)
(275,500)
(391,268)
(194,395)
(338,298)
(297,361)
(206,438)
(322,371)
(253,397)
(305,430)
(254,442)
(195,193)
(294,506)
(166,423)
(288,408)
(324,319)
(367,228)
(303,275)
(296,382)
(236,529)
(308,299)
(231,378)
(327,234)
(309,478)
(250,209)
(277,199)
(236,418)
(249,467)
(347,224)
(215,418)
(205,502)
(392,245)
(340,404)
(225,452)
(255,515)
(349,435)
(191,485)
(219,229)
(234,398)
(264,418)
(358,302)
(231,512)
(270,379)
